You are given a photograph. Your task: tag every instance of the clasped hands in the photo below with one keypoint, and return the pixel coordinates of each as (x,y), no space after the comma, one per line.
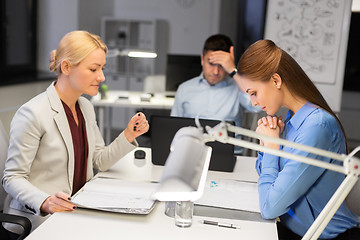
(272,126)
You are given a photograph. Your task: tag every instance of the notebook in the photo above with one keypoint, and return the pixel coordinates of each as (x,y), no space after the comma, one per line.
(163,129)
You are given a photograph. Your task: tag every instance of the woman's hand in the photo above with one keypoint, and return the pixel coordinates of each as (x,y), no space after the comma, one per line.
(137,126)
(270,126)
(60,202)
(272,122)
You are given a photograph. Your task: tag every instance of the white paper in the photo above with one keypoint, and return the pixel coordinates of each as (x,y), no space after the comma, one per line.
(230,194)
(116,195)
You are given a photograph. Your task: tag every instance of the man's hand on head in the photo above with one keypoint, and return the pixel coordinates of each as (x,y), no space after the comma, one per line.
(225,59)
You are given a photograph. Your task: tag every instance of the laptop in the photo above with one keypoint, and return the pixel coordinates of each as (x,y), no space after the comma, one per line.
(163,129)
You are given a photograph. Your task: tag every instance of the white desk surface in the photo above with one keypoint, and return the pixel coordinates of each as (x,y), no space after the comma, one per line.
(90,224)
(126,169)
(133,99)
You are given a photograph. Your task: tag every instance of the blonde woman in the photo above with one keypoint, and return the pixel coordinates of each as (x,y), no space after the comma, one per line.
(55,142)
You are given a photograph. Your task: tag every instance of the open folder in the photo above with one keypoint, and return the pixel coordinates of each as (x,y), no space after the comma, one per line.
(116,195)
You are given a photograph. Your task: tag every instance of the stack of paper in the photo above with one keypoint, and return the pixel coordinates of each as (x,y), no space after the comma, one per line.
(116,195)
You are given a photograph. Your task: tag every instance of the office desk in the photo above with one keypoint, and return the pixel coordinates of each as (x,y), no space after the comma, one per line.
(90,224)
(128,99)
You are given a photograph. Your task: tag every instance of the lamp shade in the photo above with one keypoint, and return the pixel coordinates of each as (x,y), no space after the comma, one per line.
(186,167)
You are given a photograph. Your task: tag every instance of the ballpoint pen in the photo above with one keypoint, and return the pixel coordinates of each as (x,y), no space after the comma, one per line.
(219,224)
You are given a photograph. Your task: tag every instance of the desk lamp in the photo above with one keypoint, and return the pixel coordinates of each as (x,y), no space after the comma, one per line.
(351,164)
(186,168)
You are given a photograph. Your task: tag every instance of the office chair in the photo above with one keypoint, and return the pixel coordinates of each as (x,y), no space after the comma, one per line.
(9,218)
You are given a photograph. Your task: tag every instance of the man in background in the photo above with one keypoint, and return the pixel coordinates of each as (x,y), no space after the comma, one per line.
(214,94)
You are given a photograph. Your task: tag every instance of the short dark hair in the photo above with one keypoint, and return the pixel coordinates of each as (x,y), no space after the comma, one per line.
(217,42)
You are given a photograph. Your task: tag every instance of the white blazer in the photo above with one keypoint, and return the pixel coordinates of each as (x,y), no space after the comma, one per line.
(41,156)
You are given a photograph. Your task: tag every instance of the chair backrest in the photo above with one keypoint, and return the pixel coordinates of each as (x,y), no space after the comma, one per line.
(4,144)
(9,218)
(353,199)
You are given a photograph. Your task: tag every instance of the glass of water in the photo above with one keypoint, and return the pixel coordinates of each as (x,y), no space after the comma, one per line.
(183,213)
(170,209)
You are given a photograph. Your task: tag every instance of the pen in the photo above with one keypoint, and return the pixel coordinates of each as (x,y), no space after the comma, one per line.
(219,224)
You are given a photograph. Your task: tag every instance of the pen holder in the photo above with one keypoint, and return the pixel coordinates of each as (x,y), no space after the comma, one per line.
(139,158)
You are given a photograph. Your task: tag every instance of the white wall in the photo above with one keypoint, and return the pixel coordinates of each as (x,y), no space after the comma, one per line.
(13,96)
(91,12)
(190,22)
(55,18)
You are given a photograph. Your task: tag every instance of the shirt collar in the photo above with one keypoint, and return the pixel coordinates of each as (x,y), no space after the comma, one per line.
(299,117)
(224,82)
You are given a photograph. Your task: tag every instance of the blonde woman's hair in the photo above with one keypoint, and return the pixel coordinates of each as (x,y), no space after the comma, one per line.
(74,47)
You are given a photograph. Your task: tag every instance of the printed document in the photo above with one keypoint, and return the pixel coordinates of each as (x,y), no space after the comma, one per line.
(230,194)
(116,195)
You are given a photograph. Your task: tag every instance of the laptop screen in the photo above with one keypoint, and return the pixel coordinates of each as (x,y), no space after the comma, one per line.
(162,132)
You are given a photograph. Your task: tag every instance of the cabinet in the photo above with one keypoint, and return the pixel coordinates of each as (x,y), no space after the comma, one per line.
(127,34)
(126,73)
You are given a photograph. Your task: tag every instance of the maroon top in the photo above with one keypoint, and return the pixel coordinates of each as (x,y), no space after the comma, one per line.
(79,137)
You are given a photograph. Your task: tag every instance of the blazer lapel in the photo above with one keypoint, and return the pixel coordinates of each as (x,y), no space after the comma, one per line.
(64,129)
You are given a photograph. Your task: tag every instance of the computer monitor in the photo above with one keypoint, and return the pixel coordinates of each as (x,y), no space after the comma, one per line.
(162,132)
(180,68)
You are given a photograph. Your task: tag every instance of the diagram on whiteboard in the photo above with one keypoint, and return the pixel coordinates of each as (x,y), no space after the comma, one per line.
(310,31)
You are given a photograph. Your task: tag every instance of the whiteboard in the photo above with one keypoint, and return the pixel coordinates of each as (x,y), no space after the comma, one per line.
(315,34)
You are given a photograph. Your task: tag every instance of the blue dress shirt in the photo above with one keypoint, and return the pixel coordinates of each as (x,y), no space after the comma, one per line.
(297,192)
(222,101)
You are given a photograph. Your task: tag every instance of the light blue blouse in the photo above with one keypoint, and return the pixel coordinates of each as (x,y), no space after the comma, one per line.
(222,101)
(295,191)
